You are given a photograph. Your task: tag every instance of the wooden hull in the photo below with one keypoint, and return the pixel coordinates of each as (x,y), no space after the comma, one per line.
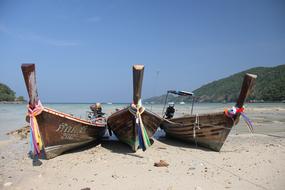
(214,129)
(122,123)
(209,130)
(61,132)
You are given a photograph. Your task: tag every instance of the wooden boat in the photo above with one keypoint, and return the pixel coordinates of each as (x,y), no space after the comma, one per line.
(208,130)
(54,132)
(134,125)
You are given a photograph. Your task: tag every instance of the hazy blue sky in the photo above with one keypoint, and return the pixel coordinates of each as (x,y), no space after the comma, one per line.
(84,49)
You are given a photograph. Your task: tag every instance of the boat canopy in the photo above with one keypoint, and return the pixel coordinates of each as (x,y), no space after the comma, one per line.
(181,93)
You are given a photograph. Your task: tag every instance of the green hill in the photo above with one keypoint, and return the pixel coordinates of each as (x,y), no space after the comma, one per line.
(269,86)
(6,94)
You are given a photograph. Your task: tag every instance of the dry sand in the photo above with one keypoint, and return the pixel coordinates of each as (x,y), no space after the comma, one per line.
(246,161)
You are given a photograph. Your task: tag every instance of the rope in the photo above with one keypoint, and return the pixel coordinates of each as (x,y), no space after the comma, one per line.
(196,125)
(36,144)
(137,111)
(232,112)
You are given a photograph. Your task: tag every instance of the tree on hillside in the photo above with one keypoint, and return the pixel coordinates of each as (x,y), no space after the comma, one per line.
(20,99)
(6,94)
(269,86)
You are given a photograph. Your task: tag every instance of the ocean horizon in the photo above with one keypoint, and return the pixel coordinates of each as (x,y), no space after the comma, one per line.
(12,116)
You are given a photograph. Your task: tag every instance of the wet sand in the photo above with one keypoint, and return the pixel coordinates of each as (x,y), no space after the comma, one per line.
(246,161)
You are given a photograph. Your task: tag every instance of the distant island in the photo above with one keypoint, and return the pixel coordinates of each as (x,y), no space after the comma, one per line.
(9,96)
(269,87)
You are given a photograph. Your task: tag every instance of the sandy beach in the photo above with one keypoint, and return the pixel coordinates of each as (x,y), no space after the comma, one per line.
(246,161)
(73,72)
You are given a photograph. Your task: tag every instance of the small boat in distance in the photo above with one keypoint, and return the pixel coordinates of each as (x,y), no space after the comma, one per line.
(209,130)
(135,125)
(52,132)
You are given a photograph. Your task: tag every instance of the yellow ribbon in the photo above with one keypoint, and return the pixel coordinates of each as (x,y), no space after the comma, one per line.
(35,132)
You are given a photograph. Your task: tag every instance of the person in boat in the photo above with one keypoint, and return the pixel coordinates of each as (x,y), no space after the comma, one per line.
(97,110)
(169,113)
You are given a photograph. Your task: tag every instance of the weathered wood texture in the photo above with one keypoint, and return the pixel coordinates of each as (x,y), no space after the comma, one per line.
(247,84)
(29,74)
(122,122)
(60,132)
(212,129)
(138,71)
(211,132)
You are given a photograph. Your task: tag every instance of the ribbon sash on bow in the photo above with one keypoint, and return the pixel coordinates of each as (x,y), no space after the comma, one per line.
(143,138)
(234,110)
(36,144)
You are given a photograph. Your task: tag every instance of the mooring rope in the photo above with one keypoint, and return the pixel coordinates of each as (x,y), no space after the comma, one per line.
(36,144)
(137,111)
(196,125)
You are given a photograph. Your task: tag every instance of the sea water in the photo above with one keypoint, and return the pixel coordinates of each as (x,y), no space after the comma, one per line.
(12,116)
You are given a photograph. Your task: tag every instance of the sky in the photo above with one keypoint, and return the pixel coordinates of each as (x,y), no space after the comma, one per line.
(84,49)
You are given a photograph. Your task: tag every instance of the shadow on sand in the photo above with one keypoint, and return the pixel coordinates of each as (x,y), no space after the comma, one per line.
(109,143)
(115,146)
(83,147)
(181,144)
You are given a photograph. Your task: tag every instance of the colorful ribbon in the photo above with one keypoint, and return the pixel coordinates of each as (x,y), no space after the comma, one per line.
(234,110)
(143,138)
(36,144)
